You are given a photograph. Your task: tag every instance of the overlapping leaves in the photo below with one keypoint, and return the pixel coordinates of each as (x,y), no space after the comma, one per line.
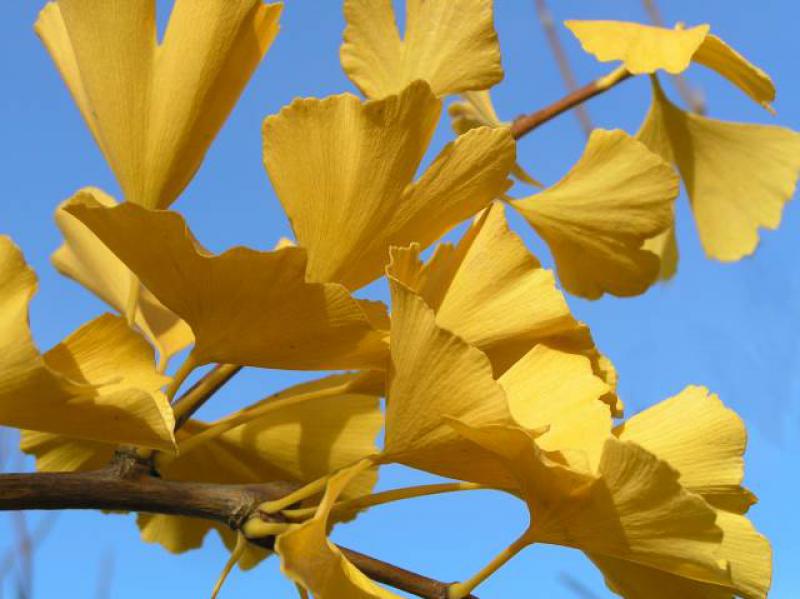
(488,377)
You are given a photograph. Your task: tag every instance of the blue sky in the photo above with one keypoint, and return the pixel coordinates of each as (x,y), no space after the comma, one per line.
(731,327)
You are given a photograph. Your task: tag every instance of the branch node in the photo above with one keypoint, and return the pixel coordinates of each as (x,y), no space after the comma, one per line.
(128,464)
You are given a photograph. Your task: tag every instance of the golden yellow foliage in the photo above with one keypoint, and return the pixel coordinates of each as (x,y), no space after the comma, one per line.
(451,44)
(487,376)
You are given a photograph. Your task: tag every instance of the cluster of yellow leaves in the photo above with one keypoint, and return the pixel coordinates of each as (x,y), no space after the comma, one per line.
(655,502)
(737,176)
(487,376)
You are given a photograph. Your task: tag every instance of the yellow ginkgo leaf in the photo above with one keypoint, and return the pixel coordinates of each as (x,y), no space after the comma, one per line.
(747,553)
(244,306)
(665,246)
(100,383)
(641,48)
(557,390)
(598,217)
(475,109)
(720,57)
(647,49)
(696,434)
(702,439)
(57,453)
(580,341)
(155,108)
(312,561)
(493,293)
(737,176)
(352,196)
(488,289)
(476,310)
(451,44)
(434,375)
(631,507)
(84,258)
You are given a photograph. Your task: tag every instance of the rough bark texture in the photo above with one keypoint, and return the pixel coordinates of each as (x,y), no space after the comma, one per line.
(129,484)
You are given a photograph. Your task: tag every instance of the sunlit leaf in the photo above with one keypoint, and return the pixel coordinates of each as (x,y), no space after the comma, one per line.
(598,217)
(84,258)
(352,196)
(491,291)
(438,371)
(737,176)
(155,108)
(705,441)
(433,375)
(451,44)
(100,383)
(628,505)
(244,306)
(647,49)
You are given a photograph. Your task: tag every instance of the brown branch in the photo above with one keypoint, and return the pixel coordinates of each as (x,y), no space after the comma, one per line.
(413,583)
(556,47)
(525,124)
(128,485)
(105,490)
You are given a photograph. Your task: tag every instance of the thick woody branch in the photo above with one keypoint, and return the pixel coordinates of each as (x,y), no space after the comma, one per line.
(130,486)
(525,124)
(105,490)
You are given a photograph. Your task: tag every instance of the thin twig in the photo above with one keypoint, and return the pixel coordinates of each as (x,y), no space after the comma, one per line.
(39,534)
(525,124)
(105,575)
(407,581)
(564,67)
(24,550)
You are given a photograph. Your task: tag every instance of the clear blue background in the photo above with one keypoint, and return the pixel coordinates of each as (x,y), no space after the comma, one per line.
(732,327)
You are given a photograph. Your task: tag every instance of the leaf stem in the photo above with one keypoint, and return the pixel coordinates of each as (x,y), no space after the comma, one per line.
(241,545)
(181,375)
(305,492)
(246,415)
(384,497)
(313,488)
(256,528)
(460,590)
(132,301)
(191,401)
